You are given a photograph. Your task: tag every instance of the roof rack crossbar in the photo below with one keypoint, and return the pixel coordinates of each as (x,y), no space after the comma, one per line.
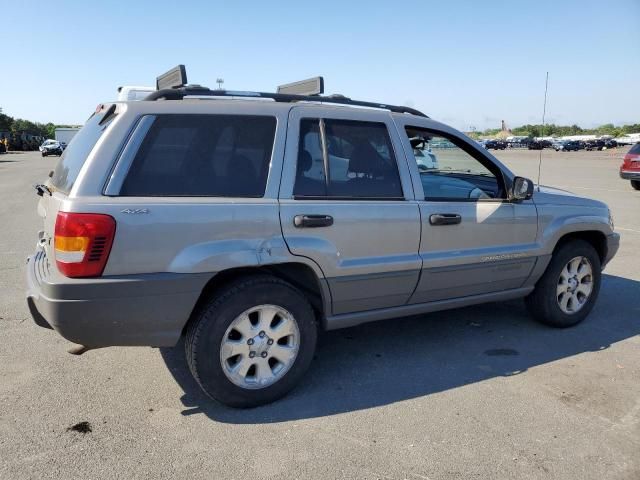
(180,93)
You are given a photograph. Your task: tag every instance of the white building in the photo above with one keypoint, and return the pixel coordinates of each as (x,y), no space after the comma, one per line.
(628,139)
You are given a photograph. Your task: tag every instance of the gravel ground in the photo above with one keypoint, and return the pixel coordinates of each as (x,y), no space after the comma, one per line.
(481,392)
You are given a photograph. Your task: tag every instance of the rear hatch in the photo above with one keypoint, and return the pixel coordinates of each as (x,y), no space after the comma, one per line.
(66,172)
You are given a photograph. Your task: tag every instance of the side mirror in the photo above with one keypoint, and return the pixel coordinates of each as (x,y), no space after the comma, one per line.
(522,189)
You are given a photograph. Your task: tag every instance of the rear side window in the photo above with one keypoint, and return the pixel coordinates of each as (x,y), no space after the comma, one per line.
(359,159)
(74,156)
(635,150)
(203,155)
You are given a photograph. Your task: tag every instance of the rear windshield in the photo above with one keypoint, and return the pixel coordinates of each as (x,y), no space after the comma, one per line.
(203,155)
(76,153)
(635,150)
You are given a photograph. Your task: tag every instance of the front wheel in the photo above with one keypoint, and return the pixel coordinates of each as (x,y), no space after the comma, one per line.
(567,291)
(252,343)
(635,184)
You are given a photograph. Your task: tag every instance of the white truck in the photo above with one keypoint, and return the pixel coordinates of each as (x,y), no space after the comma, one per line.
(64,135)
(128,93)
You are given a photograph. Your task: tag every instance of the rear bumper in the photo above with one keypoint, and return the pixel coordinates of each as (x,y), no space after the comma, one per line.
(630,174)
(128,310)
(613,244)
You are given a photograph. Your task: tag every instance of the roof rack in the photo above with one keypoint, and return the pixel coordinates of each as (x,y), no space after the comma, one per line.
(180,93)
(176,81)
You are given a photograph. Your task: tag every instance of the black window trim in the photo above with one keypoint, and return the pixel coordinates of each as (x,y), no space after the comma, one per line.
(347,198)
(477,155)
(325,162)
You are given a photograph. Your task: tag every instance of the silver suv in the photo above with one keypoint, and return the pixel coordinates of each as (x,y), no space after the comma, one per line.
(248,222)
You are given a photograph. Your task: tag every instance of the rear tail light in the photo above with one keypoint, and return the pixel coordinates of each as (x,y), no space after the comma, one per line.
(629,158)
(82,243)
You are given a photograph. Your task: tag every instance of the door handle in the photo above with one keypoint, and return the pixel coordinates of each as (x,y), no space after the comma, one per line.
(312,221)
(445,219)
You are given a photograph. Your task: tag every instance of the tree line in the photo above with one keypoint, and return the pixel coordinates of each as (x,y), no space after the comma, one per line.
(19,126)
(562,130)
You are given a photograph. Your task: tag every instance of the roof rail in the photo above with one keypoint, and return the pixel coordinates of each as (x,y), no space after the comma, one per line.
(197,90)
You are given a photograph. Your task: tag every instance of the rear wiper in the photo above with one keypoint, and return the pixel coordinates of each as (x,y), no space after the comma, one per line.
(41,189)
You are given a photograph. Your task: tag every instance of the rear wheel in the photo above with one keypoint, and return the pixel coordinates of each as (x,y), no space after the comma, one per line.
(635,184)
(253,342)
(567,291)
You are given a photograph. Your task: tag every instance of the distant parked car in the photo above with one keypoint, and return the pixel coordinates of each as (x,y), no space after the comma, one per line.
(425,158)
(51,147)
(610,143)
(566,146)
(519,142)
(495,145)
(630,168)
(595,145)
(539,144)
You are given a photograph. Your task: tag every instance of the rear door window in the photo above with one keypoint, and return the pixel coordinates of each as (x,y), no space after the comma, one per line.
(203,155)
(74,156)
(359,156)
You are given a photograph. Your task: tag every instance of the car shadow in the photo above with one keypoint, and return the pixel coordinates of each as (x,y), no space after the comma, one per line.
(385,362)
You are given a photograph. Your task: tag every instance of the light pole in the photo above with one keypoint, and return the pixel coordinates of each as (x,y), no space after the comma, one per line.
(219,81)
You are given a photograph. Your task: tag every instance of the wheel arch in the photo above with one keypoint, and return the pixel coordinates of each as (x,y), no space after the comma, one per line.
(595,238)
(300,275)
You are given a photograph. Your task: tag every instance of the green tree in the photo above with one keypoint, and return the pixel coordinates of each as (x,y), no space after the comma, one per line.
(50,129)
(5,122)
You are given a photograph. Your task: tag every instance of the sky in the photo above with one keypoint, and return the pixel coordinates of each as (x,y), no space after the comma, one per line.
(468,64)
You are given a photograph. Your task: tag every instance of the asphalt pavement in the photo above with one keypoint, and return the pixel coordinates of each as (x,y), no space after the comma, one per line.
(482,392)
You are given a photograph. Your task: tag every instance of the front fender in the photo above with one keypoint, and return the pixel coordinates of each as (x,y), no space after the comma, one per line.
(557,221)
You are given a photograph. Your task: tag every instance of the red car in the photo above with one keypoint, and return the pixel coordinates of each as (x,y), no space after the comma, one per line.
(630,169)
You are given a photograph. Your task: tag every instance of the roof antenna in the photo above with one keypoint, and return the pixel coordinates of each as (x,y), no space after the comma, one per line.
(544,111)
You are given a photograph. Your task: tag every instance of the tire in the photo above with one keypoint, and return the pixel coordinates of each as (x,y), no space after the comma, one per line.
(635,184)
(544,302)
(217,372)
(44,154)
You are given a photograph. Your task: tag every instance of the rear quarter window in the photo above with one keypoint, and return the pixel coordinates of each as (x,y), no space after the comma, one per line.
(203,155)
(74,156)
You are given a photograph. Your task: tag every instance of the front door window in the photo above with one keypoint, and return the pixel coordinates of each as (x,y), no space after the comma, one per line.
(448,171)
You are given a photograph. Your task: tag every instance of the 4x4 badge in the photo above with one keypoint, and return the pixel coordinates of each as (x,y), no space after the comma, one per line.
(135,210)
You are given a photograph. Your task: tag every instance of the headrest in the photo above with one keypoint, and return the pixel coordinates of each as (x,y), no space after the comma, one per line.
(364,159)
(304,161)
